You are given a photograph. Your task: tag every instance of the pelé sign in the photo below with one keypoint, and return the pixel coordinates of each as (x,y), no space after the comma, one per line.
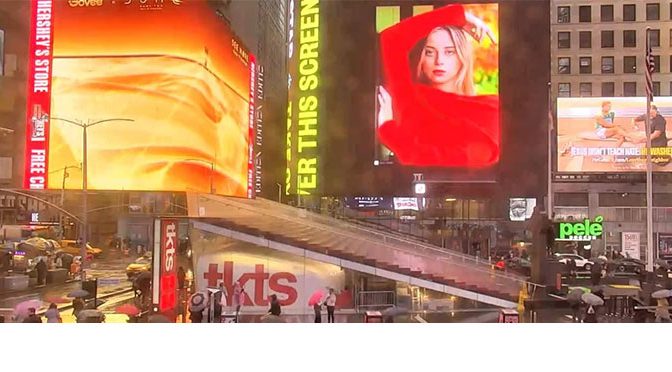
(580,231)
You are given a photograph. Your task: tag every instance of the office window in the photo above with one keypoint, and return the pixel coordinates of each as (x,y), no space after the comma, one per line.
(564,89)
(629,89)
(629,38)
(607,39)
(656,63)
(607,13)
(629,12)
(586,89)
(607,65)
(564,40)
(656,88)
(585,65)
(630,65)
(654,36)
(563,14)
(564,65)
(584,13)
(652,12)
(608,89)
(585,39)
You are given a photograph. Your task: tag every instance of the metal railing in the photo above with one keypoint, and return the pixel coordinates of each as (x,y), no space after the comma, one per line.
(368,300)
(397,249)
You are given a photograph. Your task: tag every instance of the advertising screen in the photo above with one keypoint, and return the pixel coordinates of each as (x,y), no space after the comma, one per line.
(438,98)
(598,135)
(160,93)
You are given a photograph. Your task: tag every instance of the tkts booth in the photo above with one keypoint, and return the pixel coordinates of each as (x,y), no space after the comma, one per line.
(262,272)
(164,267)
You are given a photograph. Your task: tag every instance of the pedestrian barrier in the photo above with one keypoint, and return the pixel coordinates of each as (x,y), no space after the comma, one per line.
(375,300)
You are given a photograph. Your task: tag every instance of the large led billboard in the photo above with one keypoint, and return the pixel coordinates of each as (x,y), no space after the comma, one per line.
(602,135)
(373,107)
(438,101)
(165,90)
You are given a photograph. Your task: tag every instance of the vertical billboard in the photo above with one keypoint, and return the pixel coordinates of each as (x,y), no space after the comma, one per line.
(604,135)
(164,283)
(165,90)
(438,96)
(305,101)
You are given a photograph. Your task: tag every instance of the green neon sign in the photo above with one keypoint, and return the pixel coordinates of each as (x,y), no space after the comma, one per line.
(581,231)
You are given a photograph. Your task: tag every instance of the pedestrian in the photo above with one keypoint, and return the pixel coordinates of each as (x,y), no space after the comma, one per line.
(591,315)
(53,315)
(32,317)
(181,277)
(275,306)
(196,316)
(662,311)
(41,268)
(330,301)
(576,311)
(77,306)
(237,297)
(317,308)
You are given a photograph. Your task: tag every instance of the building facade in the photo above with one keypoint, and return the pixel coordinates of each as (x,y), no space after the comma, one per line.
(598,50)
(598,47)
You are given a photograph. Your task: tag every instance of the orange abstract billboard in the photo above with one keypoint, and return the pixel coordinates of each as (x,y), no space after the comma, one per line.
(163,87)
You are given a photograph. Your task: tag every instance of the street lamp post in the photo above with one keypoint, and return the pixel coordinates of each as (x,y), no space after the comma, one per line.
(65,175)
(85,194)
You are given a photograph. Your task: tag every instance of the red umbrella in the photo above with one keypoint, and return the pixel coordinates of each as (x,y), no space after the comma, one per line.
(315,297)
(128,309)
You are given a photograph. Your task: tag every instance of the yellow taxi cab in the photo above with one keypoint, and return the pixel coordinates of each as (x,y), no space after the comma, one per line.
(140,265)
(72,247)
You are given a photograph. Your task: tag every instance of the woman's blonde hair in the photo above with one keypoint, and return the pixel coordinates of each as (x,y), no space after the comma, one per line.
(465,77)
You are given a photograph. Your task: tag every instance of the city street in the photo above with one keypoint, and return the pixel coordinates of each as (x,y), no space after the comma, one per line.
(111,274)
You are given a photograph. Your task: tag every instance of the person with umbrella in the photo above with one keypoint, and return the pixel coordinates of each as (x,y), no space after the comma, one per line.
(197,303)
(32,317)
(574,300)
(315,301)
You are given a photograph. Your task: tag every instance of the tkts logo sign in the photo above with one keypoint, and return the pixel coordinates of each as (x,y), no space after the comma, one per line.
(168,279)
(254,283)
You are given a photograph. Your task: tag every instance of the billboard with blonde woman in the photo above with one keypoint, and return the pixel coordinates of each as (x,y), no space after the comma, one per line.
(438,101)
(163,88)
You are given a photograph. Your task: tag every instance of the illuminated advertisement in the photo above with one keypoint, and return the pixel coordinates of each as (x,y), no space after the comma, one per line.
(305,102)
(438,97)
(263,272)
(597,135)
(160,93)
(521,209)
(164,265)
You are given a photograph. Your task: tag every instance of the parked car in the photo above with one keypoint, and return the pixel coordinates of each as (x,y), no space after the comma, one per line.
(626,265)
(579,261)
(140,265)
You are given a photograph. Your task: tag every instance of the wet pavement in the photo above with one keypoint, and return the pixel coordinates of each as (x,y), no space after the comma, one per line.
(111,271)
